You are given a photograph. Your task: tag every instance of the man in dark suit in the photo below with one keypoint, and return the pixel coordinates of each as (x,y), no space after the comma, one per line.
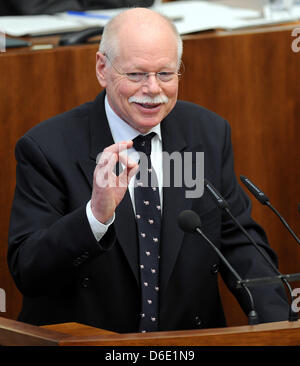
(34,7)
(75,242)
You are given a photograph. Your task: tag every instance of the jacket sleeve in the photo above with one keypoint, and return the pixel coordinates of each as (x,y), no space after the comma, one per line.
(47,244)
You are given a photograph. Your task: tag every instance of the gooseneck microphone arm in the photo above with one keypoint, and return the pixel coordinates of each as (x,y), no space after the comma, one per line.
(252,316)
(283,221)
(222,204)
(264,200)
(190,222)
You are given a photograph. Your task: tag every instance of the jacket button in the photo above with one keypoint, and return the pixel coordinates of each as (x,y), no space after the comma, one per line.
(85,282)
(198,322)
(77,262)
(85,255)
(215,268)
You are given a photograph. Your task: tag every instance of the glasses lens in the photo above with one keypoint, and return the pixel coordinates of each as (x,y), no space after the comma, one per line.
(141,76)
(136,76)
(165,76)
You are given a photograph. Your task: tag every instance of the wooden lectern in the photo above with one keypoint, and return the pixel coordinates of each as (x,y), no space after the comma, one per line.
(14,333)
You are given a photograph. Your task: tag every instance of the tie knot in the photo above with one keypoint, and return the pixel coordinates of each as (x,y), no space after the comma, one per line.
(142,143)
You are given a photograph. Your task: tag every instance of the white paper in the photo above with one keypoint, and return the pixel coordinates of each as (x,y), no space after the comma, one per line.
(269,17)
(36,24)
(188,17)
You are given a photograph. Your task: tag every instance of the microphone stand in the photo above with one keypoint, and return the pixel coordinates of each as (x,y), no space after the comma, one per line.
(292,315)
(222,204)
(252,316)
(283,221)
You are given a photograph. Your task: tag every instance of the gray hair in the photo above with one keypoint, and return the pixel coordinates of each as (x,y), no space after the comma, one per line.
(109,40)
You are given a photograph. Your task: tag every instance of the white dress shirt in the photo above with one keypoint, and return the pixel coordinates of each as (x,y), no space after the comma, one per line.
(122,131)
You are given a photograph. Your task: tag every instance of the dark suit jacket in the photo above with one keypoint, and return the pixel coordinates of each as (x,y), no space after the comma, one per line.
(66,275)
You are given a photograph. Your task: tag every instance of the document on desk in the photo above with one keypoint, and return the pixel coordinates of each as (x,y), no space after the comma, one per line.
(195,16)
(188,16)
(37,25)
(268,17)
(191,16)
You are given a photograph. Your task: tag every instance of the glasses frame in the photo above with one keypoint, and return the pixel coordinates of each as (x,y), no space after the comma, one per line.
(145,75)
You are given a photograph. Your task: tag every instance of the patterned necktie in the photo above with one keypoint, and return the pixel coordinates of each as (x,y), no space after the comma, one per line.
(148,218)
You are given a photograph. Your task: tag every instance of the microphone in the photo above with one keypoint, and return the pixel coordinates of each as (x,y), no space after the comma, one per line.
(221,203)
(263,199)
(190,222)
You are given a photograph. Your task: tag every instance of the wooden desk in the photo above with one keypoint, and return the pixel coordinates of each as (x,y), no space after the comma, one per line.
(249,77)
(14,333)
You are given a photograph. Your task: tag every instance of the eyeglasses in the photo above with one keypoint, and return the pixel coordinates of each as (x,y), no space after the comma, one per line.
(139,77)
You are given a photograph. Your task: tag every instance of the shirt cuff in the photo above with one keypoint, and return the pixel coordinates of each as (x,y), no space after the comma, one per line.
(98,229)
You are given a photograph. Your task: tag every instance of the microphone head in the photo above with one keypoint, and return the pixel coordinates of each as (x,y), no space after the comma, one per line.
(215,195)
(257,193)
(189,221)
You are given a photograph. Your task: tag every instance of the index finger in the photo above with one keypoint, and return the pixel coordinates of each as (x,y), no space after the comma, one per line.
(119,146)
(112,149)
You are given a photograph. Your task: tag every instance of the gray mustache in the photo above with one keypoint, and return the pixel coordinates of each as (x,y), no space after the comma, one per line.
(159,99)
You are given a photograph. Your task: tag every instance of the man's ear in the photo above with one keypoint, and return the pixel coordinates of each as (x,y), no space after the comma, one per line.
(100,66)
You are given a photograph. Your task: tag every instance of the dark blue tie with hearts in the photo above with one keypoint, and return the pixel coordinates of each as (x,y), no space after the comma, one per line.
(148,218)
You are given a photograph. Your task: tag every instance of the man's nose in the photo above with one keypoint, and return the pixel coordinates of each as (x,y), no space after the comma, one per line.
(152,84)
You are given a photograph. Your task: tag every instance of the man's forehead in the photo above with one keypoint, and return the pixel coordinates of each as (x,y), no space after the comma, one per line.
(155,28)
(141,47)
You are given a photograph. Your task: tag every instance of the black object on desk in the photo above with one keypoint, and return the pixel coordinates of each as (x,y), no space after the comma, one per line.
(80,37)
(16,42)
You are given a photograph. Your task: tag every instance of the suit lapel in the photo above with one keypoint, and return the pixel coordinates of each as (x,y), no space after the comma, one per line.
(99,136)
(124,224)
(174,199)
